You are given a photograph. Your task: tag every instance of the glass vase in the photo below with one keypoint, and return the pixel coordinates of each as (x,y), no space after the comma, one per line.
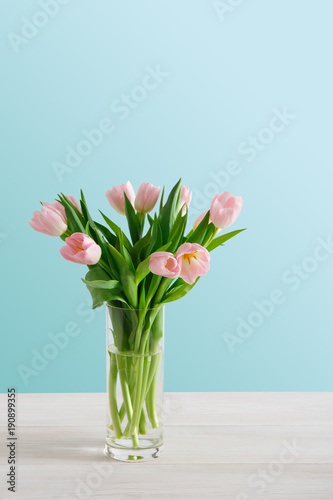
(135,348)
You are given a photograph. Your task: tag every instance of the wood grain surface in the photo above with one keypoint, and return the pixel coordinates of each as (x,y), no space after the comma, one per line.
(244,446)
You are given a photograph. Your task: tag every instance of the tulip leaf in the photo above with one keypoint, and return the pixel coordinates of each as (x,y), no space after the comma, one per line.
(199,233)
(162,198)
(116,229)
(139,247)
(134,224)
(142,270)
(177,232)
(211,231)
(100,294)
(169,211)
(150,219)
(75,221)
(156,236)
(221,239)
(153,286)
(111,238)
(142,299)
(177,293)
(105,285)
(157,330)
(85,211)
(121,326)
(126,276)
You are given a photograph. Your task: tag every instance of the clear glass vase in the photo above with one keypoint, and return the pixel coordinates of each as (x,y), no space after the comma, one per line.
(135,348)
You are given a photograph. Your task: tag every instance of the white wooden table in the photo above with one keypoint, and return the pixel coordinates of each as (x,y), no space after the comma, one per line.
(231,446)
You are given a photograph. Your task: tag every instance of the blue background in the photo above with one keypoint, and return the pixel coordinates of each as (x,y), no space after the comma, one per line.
(224,75)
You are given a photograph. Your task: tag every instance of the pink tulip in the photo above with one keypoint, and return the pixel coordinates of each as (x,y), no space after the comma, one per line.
(116,196)
(50,220)
(225,209)
(75,202)
(146,197)
(198,220)
(193,260)
(164,264)
(185,199)
(82,249)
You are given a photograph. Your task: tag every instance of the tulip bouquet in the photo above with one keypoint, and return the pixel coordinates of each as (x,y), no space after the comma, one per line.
(136,274)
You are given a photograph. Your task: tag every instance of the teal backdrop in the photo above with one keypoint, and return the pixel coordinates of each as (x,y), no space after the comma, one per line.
(228,95)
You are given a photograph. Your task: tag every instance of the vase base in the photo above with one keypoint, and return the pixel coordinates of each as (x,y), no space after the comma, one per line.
(133,454)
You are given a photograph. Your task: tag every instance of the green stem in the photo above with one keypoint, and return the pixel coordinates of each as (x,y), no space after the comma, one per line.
(151,395)
(113,397)
(146,367)
(122,370)
(143,423)
(137,398)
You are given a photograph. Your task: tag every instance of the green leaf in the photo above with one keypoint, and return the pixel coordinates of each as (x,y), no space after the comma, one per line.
(90,232)
(75,221)
(111,238)
(126,276)
(85,211)
(161,199)
(142,300)
(169,211)
(157,330)
(105,285)
(116,229)
(139,247)
(150,219)
(177,293)
(153,287)
(211,231)
(133,221)
(156,236)
(121,327)
(221,239)
(198,235)
(177,232)
(101,295)
(142,270)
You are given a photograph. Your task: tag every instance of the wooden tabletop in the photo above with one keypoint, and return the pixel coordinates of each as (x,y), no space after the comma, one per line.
(231,446)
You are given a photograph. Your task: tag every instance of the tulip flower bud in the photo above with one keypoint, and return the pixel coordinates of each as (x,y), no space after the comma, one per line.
(50,220)
(82,249)
(146,197)
(185,199)
(225,209)
(164,264)
(116,196)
